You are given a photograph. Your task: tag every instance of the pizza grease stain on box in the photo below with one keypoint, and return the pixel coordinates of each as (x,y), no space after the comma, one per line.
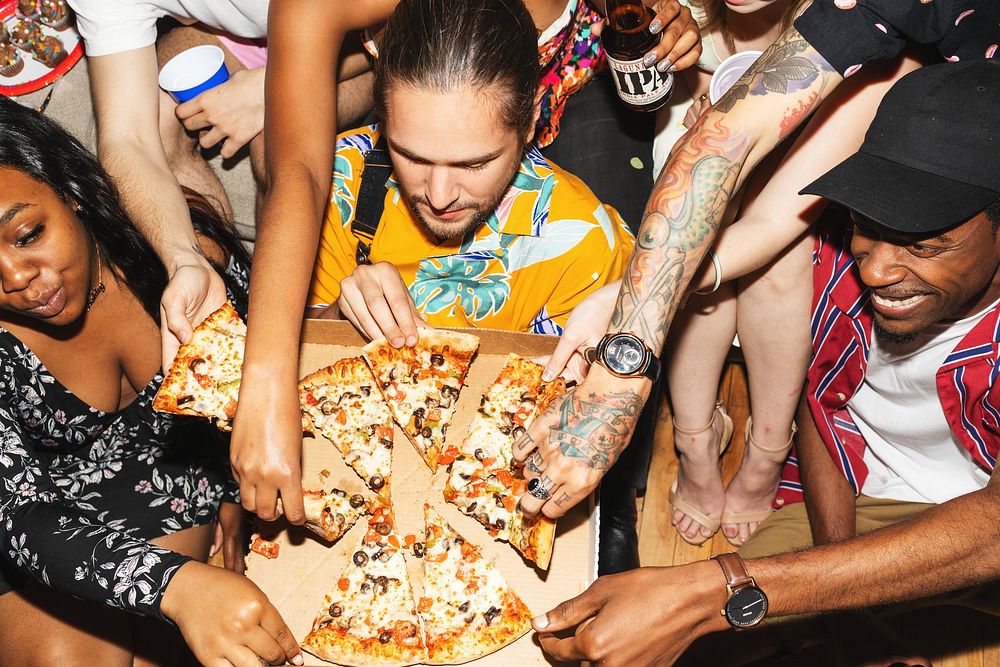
(306,568)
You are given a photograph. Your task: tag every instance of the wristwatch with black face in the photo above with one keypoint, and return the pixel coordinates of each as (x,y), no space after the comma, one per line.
(747,604)
(626,356)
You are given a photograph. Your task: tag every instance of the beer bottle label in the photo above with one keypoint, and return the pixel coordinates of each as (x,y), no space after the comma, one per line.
(638,84)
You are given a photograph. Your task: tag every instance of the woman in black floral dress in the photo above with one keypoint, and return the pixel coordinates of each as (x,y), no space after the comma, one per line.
(102,499)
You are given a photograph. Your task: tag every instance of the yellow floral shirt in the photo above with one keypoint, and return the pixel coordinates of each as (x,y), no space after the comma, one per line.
(548,245)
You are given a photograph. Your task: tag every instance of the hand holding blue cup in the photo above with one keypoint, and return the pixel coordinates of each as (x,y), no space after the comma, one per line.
(193,71)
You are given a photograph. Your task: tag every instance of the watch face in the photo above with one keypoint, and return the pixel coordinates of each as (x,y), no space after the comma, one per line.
(624,354)
(746,607)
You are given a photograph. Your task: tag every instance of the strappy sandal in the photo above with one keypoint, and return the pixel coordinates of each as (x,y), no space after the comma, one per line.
(778,456)
(676,501)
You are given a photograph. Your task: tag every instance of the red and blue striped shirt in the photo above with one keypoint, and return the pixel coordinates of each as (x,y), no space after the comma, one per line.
(841,328)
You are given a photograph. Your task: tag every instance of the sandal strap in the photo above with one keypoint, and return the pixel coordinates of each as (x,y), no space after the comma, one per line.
(719,407)
(781,449)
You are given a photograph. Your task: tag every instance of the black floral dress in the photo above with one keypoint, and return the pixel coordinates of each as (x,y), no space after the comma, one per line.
(83,490)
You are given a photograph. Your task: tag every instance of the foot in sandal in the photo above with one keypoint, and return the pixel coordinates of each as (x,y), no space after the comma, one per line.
(697,495)
(750,494)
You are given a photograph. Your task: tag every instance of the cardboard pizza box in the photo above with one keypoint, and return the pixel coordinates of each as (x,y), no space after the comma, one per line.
(307,568)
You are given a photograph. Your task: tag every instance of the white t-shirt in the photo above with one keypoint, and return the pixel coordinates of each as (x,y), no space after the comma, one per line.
(912,453)
(113,26)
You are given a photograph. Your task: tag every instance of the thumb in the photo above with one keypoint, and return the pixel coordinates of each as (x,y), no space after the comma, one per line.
(170,342)
(560,357)
(570,613)
(217,540)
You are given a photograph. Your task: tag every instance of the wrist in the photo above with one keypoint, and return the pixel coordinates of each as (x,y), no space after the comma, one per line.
(599,376)
(176,596)
(712,596)
(183,255)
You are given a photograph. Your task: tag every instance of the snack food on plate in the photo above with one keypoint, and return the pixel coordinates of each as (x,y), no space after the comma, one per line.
(482,478)
(468,609)
(370,617)
(10,60)
(204,379)
(421,384)
(55,14)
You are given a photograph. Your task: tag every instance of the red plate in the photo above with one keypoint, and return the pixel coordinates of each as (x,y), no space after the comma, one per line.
(35,76)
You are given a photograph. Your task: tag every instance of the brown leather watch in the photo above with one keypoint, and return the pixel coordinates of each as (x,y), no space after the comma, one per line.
(747,603)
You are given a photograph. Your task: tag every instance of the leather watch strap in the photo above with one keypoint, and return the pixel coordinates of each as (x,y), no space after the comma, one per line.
(735,570)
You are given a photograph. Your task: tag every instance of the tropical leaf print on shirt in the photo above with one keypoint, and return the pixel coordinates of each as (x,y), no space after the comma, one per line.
(441,282)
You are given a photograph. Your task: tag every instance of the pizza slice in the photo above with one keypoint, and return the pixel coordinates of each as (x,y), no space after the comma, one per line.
(370,617)
(204,379)
(483,479)
(421,384)
(468,608)
(332,514)
(342,403)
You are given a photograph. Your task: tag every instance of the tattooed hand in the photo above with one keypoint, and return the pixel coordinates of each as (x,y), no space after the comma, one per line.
(576,441)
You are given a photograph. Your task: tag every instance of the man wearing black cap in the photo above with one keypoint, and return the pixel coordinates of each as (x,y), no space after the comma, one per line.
(910,416)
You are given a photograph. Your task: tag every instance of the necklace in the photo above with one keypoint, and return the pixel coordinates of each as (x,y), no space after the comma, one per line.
(97,291)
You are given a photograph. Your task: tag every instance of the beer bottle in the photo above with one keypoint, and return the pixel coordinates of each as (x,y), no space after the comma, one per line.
(626,39)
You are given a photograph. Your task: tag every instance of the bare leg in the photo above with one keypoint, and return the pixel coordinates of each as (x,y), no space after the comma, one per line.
(777,358)
(41,627)
(695,354)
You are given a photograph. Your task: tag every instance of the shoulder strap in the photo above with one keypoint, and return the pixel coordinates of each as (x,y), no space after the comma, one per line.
(371,198)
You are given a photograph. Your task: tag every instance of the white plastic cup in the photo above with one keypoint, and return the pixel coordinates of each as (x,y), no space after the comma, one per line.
(193,71)
(729,72)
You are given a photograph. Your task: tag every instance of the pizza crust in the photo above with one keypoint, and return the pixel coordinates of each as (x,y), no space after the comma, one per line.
(329,644)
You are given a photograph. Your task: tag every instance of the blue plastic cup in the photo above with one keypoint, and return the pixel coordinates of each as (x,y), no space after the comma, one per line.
(192,72)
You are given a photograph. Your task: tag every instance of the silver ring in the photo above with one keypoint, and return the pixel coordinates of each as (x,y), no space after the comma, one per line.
(534,463)
(537,488)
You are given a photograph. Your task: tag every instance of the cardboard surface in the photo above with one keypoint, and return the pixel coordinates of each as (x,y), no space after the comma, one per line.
(306,568)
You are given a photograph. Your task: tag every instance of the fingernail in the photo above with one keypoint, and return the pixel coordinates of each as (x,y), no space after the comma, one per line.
(663,65)
(397,342)
(673,68)
(411,341)
(655,26)
(649,59)
(547,375)
(297,660)
(541,622)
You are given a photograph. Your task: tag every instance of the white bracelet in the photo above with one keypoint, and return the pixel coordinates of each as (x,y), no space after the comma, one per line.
(718,274)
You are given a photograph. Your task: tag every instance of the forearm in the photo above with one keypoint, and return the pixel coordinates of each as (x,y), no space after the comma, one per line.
(151,196)
(829,497)
(912,559)
(287,238)
(705,170)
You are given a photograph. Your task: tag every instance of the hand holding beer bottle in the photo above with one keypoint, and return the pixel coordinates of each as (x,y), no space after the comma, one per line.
(645,46)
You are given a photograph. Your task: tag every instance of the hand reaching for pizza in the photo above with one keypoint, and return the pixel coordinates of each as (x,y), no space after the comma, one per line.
(573,444)
(375,300)
(585,327)
(647,616)
(231,537)
(226,619)
(266,447)
(194,292)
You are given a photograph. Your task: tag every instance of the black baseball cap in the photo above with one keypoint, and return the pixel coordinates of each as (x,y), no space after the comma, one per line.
(931,157)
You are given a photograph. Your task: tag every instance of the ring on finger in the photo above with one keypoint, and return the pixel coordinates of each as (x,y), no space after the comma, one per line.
(538,489)
(534,463)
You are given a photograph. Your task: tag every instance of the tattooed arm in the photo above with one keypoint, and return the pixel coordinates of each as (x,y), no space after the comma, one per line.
(682,217)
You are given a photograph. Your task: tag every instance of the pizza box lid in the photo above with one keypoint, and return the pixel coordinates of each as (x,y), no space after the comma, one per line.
(306,568)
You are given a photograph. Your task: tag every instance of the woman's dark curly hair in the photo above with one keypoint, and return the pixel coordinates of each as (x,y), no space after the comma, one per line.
(40,148)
